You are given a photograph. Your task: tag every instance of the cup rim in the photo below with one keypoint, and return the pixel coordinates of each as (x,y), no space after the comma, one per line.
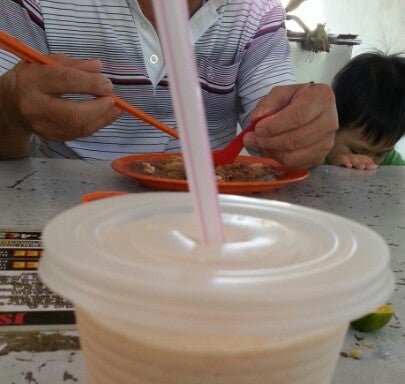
(330,295)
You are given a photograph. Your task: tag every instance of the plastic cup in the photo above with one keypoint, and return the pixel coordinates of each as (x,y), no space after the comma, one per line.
(271,305)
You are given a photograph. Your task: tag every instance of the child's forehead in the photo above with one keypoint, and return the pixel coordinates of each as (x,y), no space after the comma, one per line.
(356,135)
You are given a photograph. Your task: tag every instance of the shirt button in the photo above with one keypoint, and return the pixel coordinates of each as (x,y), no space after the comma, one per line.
(153,59)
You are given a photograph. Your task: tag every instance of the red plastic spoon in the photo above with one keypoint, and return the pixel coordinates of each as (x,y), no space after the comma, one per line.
(228,154)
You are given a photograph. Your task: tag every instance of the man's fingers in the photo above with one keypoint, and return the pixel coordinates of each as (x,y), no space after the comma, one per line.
(59,80)
(302,158)
(294,139)
(88,117)
(303,127)
(299,112)
(80,118)
(277,99)
(103,119)
(36,91)
(90,65)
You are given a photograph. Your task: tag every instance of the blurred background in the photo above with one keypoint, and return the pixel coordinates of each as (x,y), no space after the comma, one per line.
(370,24)
(380,24)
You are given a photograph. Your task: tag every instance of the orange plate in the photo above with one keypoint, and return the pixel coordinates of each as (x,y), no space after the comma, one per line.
(124,165)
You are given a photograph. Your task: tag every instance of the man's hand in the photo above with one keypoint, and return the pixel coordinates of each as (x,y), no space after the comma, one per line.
(32,102)
(301,130)
(354,160)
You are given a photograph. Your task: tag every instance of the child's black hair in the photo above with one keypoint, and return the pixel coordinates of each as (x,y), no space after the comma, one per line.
(370,93)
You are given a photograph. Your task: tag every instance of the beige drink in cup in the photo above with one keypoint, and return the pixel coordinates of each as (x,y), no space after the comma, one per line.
(270,306)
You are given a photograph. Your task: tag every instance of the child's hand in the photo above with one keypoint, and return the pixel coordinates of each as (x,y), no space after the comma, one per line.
(354,160)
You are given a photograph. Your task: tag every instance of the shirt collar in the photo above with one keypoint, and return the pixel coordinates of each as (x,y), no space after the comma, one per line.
(204,18)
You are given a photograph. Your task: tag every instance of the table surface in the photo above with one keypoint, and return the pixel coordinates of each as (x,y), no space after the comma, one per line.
(32,191)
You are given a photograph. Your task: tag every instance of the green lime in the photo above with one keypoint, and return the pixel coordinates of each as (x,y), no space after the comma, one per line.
(374,321)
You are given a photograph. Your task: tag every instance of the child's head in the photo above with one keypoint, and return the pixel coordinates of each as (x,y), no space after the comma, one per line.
(370,100)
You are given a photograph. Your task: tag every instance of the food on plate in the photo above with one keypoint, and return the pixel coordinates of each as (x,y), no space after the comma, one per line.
(173,168)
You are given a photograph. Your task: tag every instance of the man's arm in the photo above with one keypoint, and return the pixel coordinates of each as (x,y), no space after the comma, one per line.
(14,139)
(266,61)
(301,130)
(32,103)
(31,99)
(24,20)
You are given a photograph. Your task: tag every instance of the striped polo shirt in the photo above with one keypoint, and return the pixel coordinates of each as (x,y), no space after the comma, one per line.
(241,51)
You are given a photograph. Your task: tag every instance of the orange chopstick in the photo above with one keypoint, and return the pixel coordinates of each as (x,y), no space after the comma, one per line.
(31,55)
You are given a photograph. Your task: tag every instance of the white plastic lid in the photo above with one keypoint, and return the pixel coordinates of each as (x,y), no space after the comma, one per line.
(133,259)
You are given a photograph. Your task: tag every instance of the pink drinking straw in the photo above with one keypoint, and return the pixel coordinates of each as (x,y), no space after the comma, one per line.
(174,33)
